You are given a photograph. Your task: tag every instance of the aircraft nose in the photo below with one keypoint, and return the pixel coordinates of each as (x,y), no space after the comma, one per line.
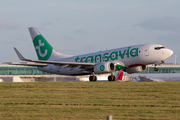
(168,52)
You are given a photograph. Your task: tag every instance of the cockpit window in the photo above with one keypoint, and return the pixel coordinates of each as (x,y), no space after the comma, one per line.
(158,48)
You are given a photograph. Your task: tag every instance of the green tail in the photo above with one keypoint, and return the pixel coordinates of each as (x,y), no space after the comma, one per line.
(43,49)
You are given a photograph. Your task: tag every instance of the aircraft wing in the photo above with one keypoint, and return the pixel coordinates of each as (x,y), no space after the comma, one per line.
(57,63)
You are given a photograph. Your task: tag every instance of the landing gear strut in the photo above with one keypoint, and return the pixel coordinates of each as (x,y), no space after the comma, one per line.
(156,69)
(111,77)
(92,78)
(158,63)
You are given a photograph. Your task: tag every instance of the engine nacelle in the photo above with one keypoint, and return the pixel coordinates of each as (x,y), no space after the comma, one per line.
(136,69)
(106,67)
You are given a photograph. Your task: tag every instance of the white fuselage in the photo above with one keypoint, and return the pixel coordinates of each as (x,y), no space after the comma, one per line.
(131,56)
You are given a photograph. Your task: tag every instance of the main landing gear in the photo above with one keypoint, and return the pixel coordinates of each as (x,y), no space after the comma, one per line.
(111,77)
(158,63)
(92,78)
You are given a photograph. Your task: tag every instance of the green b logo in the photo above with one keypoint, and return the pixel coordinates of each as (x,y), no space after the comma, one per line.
(102,67)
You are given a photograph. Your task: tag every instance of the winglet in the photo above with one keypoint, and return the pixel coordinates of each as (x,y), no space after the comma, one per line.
(19,55)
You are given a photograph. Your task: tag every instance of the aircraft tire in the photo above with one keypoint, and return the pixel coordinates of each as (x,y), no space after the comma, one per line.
(114,78)
(92,78)
(111,78)
(95,78)
(156,69)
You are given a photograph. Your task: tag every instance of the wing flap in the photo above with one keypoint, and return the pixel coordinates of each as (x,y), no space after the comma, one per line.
(29,64)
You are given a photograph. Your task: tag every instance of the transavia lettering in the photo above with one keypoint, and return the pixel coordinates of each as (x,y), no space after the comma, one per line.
(109,56)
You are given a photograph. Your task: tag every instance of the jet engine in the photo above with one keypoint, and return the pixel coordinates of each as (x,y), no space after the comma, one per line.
(136,69)
(106,67)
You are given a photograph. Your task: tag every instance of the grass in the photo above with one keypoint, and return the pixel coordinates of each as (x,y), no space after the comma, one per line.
(90,100)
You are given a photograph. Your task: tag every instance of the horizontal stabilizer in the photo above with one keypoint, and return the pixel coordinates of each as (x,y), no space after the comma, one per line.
(119,75)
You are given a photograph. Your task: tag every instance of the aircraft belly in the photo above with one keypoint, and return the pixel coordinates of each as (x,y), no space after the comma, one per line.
(68,71)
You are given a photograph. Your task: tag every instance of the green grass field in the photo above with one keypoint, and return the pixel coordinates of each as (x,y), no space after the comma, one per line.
(90,100)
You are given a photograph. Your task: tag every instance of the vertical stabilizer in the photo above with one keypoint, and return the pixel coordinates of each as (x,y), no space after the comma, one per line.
(119,76)
(43,49)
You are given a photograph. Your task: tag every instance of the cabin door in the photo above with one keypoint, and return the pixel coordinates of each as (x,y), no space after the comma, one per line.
(146,51)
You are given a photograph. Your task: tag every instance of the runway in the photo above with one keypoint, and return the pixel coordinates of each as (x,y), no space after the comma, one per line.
(165,77)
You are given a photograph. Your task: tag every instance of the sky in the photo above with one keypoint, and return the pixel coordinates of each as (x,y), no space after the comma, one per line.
(77,27)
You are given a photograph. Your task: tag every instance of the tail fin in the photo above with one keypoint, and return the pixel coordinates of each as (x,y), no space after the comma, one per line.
(43,49)
(119,76)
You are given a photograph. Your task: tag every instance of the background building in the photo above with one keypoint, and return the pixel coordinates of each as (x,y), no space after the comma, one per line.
(6,69)
(16,73)
(163,68)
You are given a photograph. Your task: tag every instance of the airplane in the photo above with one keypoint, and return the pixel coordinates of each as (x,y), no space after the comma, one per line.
(120,75)
(151,77)
(160,77)
(131,59)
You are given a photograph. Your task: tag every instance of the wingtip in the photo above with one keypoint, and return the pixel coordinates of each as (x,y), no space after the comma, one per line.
(19,55)
(14,48)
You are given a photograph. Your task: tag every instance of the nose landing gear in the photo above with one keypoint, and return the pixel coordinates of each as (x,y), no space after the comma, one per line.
(156,69)
(158,63)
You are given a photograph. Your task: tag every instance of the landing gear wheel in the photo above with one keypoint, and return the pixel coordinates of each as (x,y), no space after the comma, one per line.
(111,78)
(114,78)
(92,78)
(156,69)
(95,78)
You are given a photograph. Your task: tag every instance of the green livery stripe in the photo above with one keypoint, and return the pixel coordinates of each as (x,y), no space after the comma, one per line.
(120,67)
(42,47)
